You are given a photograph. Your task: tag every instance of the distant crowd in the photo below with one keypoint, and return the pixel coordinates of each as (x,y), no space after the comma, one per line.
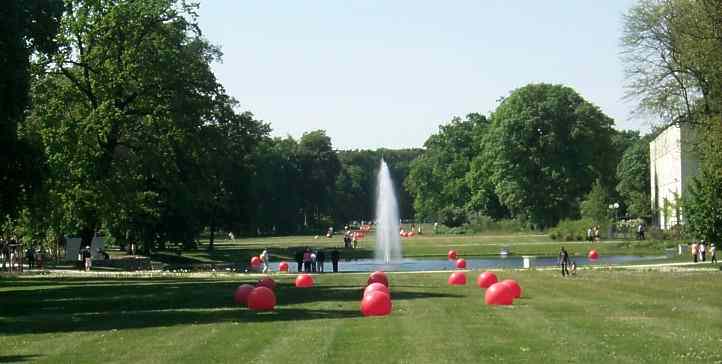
(702,250)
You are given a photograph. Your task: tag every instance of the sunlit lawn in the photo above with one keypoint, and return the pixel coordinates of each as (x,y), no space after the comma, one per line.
(597,316)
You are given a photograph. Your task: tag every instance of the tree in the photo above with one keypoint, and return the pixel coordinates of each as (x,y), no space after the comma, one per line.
(437,178)
(545,147)
(319,166)
(120,109)
(703,206)
(595,205)
(26,27)
(634,179)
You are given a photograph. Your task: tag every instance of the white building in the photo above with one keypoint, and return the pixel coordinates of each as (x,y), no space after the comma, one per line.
(673,164)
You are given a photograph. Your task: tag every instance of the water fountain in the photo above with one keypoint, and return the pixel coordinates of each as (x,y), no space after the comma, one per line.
(388,245)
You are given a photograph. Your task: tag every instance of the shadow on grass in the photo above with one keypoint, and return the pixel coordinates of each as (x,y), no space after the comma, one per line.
(18,358)
(76,307)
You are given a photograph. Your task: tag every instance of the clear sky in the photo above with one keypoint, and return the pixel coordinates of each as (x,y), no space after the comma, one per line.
(388,73)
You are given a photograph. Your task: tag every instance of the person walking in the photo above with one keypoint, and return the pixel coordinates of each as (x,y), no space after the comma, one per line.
(320,258)
(87,259)
(307,260)
(264,260)
(713,253)
(693,249)
(299,260)
(702,251)
(335,255)
(564,261)
(30,257)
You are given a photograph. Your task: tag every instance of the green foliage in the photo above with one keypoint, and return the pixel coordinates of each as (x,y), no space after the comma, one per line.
(634,180)
(545,147)
(26,27)
(437,179)
(483,224)
(571,230)
(595,205)
(703,207)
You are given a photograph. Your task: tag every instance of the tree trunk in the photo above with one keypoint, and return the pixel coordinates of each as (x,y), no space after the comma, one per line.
(213,234)
(86,236)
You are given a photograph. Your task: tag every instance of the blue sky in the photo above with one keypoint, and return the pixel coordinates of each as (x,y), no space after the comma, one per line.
(388,73)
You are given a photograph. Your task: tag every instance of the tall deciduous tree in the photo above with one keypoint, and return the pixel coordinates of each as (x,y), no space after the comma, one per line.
(545,148)
(634,181)
(437,179)
(120,108)
(26,26)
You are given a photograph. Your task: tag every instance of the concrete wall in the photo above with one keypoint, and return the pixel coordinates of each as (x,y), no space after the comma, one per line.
(673,164)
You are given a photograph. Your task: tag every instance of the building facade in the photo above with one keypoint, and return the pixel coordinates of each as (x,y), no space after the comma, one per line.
(673,165)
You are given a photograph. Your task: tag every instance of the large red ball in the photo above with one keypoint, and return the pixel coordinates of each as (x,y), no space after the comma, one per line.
(593,254)
(457,278)
(513,286)
(267,282)
(498,294)
(261,299)
(376,303)
(378,277)
(486,279)
(452,255)
(240,296)
(461,263)
(283,266)
(255,262)
(304,281)
(376,286)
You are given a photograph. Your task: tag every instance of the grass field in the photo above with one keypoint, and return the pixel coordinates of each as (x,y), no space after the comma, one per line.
(598,316)
(420,246)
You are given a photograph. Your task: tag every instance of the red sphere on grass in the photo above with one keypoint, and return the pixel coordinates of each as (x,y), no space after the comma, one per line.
(461,263)
(267,282)
(240,296)
(452,255)
(255,262)
(283,267)
(593,255)
(376,286)
(376,303)
(304,281)
(498,294)
(513,286)
(486,279)
(261,299)
(378,277)
(457,278)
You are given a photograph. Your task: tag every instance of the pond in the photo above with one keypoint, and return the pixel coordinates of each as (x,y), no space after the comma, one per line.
(412,265)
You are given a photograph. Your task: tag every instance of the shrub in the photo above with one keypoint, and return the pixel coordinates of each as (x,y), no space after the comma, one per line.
(571,230)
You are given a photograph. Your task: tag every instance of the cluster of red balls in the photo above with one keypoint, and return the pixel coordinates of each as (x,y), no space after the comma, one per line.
(376,299)
(497,293)
(259,297)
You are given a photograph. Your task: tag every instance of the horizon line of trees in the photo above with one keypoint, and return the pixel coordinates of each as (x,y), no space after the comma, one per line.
(114,121)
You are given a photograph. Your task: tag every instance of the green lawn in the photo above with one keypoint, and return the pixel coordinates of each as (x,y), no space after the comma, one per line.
(428,245)
(599,316)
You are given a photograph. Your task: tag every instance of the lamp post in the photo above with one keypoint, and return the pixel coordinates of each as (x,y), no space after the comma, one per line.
(615,211)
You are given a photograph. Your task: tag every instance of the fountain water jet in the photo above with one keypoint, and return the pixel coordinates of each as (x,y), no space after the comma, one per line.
(388,245)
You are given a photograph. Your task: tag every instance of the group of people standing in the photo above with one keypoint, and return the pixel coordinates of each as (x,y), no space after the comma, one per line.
(310,261)
(593,234)
(700,251)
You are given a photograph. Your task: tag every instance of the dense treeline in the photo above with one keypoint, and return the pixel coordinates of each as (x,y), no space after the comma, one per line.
(115,122)
(112,120)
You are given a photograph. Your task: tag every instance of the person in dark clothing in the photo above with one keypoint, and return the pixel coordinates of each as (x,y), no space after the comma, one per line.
(299,260)
(30,257)
(564,261)
(320,257)
(334,260)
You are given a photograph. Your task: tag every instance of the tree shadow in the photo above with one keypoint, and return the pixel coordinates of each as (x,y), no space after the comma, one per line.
(140,304)
(18,358)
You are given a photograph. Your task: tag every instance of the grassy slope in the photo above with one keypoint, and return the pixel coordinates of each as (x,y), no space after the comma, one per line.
(599,316)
